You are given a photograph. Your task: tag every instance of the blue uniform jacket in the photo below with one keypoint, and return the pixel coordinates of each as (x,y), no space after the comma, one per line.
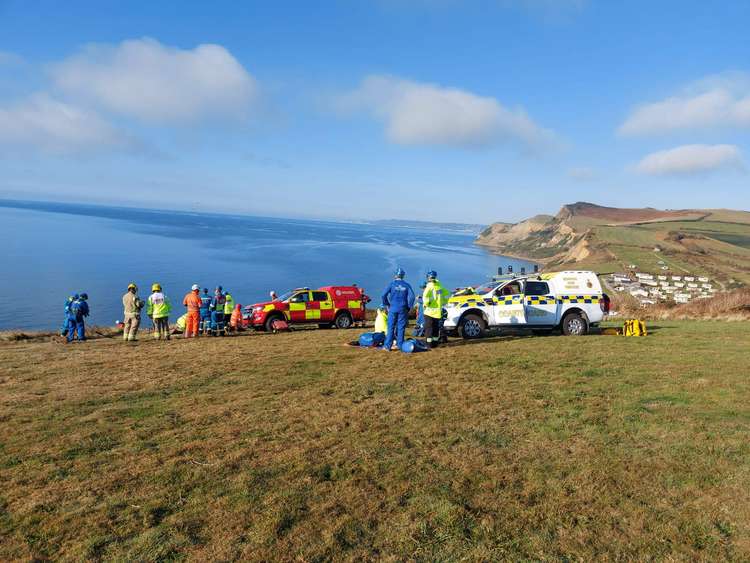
(398,295)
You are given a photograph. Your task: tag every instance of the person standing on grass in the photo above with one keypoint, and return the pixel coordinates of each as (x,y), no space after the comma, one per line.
(217,312)
(66,318)
(205,311)
(398,299)
(77,313)
(434,298)
(132,305)
(193,303)
(158,308)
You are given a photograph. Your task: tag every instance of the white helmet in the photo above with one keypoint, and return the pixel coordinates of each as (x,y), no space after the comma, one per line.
(195,287)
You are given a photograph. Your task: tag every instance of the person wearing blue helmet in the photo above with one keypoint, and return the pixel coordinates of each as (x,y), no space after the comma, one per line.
(398,299)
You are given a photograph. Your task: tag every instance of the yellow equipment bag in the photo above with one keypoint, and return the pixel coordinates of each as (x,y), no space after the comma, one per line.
(634,327)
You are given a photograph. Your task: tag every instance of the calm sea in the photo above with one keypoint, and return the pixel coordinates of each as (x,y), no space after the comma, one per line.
(51,250)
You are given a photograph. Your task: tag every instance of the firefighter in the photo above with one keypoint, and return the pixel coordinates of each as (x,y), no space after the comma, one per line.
(158,308)
(205,311)
(132,305)
(235,321)
(193,303)
(398,299)
(228,308)
(217,312)
(434,298)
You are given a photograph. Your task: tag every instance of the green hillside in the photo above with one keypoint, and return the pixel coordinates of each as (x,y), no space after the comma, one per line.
(714,243)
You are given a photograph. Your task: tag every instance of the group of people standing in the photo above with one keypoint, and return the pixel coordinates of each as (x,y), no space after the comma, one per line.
(206,314)
(74,322)
(398,299)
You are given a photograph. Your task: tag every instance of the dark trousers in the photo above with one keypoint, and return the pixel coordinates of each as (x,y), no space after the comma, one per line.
(432,330)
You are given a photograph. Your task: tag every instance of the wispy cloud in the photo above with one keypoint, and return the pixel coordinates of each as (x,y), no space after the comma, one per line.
(716,101)
(49,125)
(689,160)
(155,83)
(582,173)
(8,58)
(416,113)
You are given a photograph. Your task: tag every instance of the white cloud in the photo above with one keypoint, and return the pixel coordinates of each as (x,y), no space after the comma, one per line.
(144,79)
(716,101)
(690,159)
(417,113)
(46,124)
(7,58)
(582,173)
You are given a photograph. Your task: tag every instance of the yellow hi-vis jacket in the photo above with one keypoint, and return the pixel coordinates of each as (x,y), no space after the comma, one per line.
(157,305)
(434,298)
(381,321)
(228,304)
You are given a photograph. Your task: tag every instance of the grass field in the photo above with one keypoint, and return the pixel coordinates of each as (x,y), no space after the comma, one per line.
(298,447)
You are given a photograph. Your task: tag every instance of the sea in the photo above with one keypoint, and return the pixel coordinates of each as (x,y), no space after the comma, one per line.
(52,250)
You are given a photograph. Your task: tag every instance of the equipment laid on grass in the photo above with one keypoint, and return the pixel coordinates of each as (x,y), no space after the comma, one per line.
(412,345)
(371,339)
(634,327)
(279,325)
(572,301)
(329,306)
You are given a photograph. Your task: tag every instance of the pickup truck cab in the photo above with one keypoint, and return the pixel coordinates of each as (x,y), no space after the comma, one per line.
(572,301)
(338,306)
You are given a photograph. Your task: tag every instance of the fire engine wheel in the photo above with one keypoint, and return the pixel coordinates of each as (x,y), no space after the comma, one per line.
(574,325)
(343,320)
(472,326)
(268,325)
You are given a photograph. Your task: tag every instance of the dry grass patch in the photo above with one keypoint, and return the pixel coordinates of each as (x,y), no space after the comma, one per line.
(293,446)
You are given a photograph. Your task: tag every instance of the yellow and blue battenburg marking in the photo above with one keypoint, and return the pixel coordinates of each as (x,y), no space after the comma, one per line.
(464,302)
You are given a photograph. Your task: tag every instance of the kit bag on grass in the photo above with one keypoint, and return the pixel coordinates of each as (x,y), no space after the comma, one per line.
(278,325)
(370,339)
(634,327)
(412,345)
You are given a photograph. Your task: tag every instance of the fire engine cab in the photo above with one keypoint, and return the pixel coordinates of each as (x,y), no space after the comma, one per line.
(329,306)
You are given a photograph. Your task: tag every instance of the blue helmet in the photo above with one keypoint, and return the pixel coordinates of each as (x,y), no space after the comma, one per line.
(74,297)
(400,273)
(84,296)
(432,275)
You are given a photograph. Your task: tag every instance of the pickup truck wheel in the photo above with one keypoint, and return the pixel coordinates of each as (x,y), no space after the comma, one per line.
(343,320)
(473,326)
(574,325)
(268,325)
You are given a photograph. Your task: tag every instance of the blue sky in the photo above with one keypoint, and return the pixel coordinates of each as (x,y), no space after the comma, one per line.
(466,111)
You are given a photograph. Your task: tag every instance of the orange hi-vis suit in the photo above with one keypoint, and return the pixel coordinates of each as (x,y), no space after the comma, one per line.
(193,303)
(235,321)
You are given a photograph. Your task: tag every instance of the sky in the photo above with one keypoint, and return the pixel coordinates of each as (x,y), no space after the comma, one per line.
(468,111)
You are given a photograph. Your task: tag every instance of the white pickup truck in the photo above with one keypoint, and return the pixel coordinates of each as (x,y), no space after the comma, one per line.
(572,301)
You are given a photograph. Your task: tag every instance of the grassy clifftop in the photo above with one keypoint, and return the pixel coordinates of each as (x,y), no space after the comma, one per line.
(298,447)
(715,243)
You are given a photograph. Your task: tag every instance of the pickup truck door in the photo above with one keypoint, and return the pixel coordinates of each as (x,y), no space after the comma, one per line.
(320,308)
(540,305)
(298,306)
(508,306)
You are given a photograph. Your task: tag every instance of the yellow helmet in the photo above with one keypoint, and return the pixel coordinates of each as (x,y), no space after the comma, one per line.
(132,286)
(156,287)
